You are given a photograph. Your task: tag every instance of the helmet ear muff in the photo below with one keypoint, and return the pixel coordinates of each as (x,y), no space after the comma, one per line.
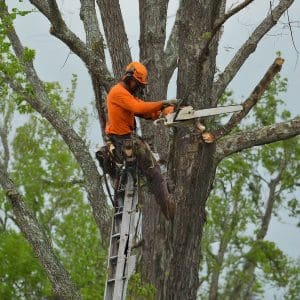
(130,72)
(128,75)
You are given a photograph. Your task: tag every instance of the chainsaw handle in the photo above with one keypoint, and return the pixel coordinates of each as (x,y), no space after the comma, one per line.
(159,121)
(177,108)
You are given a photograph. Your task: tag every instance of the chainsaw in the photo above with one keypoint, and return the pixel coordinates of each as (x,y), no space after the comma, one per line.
(186,113)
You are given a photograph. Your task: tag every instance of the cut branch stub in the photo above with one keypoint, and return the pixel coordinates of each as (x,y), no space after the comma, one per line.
(252,99)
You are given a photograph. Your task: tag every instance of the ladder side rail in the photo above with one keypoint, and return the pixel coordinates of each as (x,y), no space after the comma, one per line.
(125,226)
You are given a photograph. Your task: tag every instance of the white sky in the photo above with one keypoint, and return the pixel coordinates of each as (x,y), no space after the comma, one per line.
(51,55)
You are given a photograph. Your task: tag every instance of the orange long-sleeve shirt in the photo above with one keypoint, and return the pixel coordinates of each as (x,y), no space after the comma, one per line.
(122,106)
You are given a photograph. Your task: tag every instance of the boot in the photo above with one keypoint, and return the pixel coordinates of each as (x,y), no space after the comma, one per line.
(159,188)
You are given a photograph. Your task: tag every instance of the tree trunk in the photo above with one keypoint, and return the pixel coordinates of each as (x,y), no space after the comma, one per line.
(193,159)
(171,253)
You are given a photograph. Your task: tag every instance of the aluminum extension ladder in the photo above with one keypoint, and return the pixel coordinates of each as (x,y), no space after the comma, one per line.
(121,263)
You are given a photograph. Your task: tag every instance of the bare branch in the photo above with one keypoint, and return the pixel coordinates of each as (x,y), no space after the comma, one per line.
(115,33)
(41,103)
(248,47)
(252,99)
(265,135)
(95,43)
(269,208)
(249,266)
(291,32)
(230,13)
(80,151)
(35,235)
(4,131)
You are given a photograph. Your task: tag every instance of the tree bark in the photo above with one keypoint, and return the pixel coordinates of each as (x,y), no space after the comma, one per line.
(192,164)
(155,251)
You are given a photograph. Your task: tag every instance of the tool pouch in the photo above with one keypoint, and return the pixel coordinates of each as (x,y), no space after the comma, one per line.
(106,162)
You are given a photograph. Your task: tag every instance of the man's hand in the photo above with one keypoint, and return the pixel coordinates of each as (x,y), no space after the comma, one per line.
(168,110)
(170,102)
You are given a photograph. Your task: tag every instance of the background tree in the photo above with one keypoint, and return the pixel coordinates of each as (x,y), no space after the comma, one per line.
(171,254)
(250,189)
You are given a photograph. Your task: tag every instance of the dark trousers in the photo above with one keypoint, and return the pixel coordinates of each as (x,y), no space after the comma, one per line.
(148,166)
(141,150)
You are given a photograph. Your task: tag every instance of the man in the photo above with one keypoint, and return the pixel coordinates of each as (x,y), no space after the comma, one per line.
(123,106)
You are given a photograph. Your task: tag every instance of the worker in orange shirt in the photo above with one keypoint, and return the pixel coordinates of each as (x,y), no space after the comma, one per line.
(123,106)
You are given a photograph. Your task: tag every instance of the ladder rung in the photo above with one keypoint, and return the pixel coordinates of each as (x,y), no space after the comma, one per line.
(111,280)
(113,257)
(116,235)
(119,213)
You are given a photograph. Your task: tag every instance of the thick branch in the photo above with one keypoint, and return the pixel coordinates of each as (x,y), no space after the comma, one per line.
(252,99)
(153,18)
(248,47)
(171,52)
(265,135)
(94,38)
(42,247)
(59,29)
(100,103)
(94,41)
(115,33)
(41,103)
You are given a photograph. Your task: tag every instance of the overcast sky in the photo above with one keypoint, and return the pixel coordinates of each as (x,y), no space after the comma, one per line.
(51,55)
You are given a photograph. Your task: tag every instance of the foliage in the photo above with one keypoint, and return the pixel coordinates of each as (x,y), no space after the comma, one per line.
(21,277)
(139,290)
